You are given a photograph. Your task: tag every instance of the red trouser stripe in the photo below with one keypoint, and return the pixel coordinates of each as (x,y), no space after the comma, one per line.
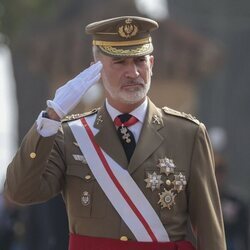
(116,182)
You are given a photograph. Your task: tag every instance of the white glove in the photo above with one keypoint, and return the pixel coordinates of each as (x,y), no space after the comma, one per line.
(69,95)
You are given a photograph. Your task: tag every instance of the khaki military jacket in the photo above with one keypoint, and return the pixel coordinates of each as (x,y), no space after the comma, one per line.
(46,166)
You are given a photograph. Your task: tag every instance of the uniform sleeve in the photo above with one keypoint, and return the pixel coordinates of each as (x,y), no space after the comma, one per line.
(204,204)
(37,171)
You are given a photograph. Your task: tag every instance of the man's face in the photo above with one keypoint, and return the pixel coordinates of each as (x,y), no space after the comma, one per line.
(126,80)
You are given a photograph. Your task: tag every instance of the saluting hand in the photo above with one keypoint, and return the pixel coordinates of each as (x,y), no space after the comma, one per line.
(69,95)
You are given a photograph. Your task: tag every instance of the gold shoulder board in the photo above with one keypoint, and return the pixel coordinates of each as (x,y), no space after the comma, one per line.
(181,114)
(78,116)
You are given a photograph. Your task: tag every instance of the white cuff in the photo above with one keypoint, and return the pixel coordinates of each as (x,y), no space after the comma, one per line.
(47,127)
(56,107)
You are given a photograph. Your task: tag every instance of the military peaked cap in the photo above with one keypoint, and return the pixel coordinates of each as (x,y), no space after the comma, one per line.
(123,36)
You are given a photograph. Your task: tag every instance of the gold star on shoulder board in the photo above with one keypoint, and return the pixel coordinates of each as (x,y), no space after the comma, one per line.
(179,182)
(166,166)
(167,199)
(153,181)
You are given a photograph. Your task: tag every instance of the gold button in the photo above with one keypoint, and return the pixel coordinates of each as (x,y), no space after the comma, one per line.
(87,177)
(124,238)
(33,155)
(168,182)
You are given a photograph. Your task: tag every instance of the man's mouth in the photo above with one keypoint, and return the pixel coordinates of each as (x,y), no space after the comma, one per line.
(132,84)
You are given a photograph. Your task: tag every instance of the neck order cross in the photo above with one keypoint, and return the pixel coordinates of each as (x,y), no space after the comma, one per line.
(126,136)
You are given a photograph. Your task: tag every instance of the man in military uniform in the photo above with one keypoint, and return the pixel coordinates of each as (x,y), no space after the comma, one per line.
(131,174)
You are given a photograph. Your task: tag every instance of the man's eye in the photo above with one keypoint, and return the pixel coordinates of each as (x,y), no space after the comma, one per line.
(142,59)
(118,62)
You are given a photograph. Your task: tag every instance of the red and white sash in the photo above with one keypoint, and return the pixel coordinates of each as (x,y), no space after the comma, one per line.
(118,185)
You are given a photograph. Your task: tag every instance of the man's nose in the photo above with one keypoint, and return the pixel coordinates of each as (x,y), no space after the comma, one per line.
(132,71)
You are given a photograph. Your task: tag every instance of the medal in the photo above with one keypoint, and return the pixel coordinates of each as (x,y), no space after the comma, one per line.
(166,166)
(179,182)
(167,199)
(153,181)
(126,135)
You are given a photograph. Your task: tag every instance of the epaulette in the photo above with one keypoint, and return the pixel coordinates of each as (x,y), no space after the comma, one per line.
(78,116)
(181,114)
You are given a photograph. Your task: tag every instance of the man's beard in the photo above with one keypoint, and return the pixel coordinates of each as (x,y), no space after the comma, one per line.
(130,95)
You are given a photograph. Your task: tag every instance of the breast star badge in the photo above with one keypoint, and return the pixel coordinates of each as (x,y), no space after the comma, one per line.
(153,181)
(166,166)
(167,199)
(179,182)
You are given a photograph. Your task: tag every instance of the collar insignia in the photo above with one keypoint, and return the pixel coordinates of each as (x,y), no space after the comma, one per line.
(156,119)
(99,120)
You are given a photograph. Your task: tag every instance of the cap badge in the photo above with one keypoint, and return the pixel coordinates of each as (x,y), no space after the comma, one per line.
(166,166)
(128,30)
(167,199)
(153,181)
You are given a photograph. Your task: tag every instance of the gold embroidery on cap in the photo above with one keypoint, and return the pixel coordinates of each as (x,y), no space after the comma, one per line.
(123,43)
(128,30)
(127,52)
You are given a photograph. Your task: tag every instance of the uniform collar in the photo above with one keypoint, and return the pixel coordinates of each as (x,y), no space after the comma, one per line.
(139,112)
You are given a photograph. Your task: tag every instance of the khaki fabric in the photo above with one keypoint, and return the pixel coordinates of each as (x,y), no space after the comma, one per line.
(123,36)
(35,178)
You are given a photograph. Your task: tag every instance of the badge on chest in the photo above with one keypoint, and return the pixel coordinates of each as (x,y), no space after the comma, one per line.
(168,183)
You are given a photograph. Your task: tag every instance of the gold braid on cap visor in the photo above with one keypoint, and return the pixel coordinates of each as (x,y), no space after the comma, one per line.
(123,43)
(142,50)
